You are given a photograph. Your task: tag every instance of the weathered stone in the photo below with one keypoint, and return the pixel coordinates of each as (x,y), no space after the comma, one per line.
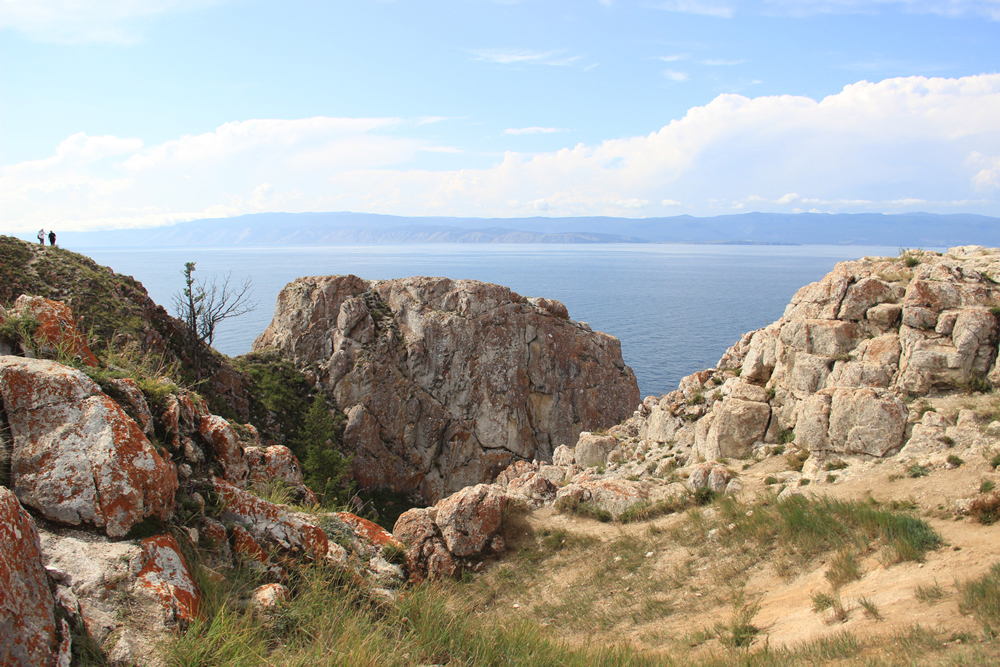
(56,327)
(77,457)
(461,377)
(593,450)
(885,316)
(710,476)
(134,402)
(470,519)
(271,523)
(426,554)
(165,576)
(28,636)
(861,296)
(563,456)
(274,463)
(268,596)
(737,425)
(370,532)
(534,489)
(611,495)
(226,447)
(863,421)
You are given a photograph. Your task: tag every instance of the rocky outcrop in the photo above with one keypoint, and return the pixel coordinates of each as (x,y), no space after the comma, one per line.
(28,630)
(834,376)
(445,382)
(77,457)
(458,531)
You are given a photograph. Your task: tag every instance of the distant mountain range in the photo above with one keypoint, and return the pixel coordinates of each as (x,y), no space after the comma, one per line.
(265,229)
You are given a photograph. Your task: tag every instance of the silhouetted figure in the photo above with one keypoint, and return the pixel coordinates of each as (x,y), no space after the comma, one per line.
(41,236)
(52,238)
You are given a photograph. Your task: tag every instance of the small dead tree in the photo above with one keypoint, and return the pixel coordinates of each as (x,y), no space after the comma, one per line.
(202,307)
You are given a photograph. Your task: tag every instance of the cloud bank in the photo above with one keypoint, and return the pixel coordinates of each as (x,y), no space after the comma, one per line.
(901,144)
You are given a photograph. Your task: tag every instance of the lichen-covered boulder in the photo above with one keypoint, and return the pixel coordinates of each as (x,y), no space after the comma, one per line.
(77,456)
(28,635)
(271,523)
(470,519)
(56,327)
(226,446)
(165,576)
(427,557)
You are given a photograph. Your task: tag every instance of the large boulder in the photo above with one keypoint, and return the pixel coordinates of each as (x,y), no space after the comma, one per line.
(77,456)
(470,520)
(57,332)
(28,634)
(445,382)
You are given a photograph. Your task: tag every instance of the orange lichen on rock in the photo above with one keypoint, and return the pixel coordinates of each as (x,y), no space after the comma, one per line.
(271,523)
(77,457)
(27,624)
(367,530)
(56,326)
(165,574)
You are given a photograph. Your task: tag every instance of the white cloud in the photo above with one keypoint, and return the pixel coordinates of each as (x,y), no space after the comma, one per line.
(716,62)
(900,144)
(674,75)
(534,130)
(988,176)
(674,57)
(510,57)
(74,21)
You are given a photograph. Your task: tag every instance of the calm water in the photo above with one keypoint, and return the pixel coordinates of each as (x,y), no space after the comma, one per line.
(676,308)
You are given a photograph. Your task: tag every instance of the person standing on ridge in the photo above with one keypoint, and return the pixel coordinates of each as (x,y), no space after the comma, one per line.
(52,237)
(41,236)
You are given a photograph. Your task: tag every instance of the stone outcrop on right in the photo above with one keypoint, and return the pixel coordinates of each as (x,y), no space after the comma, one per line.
(837,375)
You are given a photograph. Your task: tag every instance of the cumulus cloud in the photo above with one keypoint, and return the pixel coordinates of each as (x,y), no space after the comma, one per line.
(75,21)
(897,145)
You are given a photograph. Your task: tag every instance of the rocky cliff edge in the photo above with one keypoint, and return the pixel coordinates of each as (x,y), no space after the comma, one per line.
(445,382)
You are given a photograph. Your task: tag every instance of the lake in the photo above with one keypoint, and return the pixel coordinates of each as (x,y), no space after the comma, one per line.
(675,308)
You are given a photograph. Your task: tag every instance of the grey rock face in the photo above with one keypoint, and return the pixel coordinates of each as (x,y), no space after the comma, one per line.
(445,382)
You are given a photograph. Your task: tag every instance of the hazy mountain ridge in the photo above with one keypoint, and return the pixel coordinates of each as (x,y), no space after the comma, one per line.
(909,229)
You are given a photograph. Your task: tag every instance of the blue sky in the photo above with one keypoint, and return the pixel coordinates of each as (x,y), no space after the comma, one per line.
(121,113)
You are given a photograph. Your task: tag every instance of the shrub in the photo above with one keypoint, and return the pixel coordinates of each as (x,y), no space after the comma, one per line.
(986,486)
(797,459)
(835,465)
(917,470)
(954,460)
(910,257)
(786,436)
(770,479)
(582,508)
(986,509)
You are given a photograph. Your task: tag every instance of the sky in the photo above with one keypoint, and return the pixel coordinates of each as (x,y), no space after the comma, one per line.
(134,113)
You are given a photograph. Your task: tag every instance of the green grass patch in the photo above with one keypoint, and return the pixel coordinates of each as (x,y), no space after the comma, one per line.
(582,508)
(981,597)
